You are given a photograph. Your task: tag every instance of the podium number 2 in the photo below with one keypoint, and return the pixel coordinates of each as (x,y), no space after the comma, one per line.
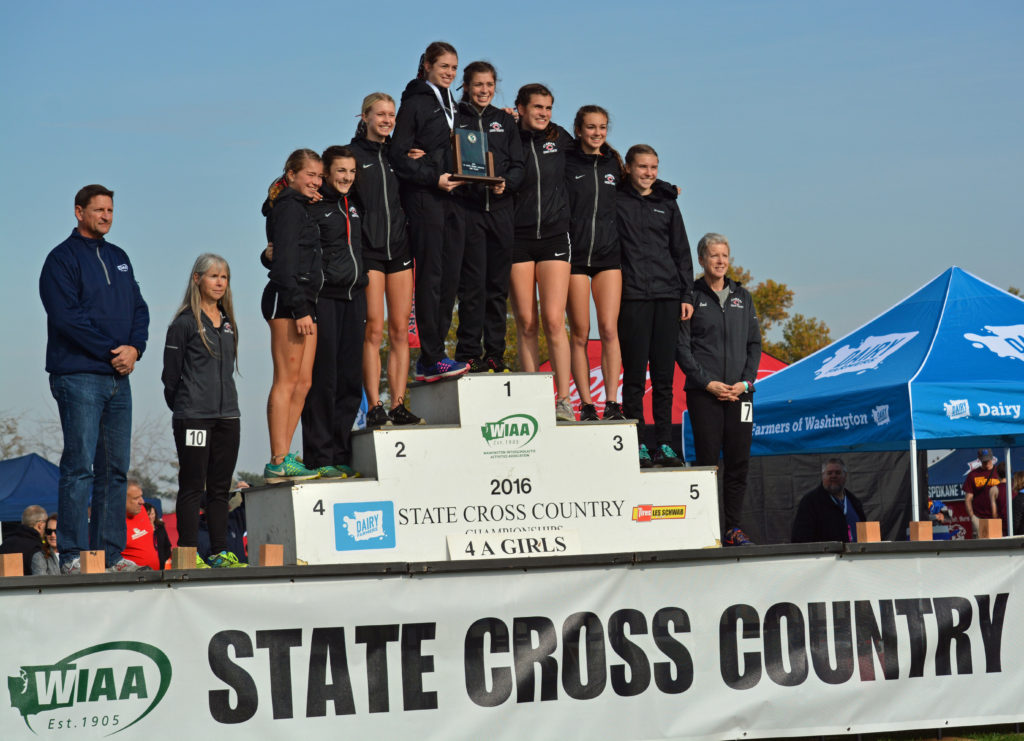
(195,438)
(399,449)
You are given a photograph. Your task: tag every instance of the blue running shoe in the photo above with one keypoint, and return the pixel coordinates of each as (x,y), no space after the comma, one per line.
(735,536)
(645,457)
(443,368)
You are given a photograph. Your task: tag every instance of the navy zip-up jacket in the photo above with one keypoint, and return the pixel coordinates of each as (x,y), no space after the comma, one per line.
(296,267)
(384,229)
(198,383)
(592,181)
(505,146)
(656,261)
(93,304)
(720,344)
(341,234)
(542,206)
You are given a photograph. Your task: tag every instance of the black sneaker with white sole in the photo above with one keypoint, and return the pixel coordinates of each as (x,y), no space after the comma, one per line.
(613,410)
(377,417)
(402,416)
(588,413)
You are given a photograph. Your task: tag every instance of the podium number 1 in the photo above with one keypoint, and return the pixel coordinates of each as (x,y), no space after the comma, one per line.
(508,388)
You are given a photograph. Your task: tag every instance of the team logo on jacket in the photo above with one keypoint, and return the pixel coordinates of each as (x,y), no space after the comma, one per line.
(227,328)
(471,138)
(1006,342)
(496,128)
(736,302)
(609,179)
(352,212)
(123,267)
(550,148)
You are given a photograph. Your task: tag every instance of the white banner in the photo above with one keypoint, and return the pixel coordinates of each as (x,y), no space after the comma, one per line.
(738,648)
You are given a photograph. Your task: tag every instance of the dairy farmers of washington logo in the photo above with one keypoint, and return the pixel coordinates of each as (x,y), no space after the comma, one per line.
(98,691)
(510,436)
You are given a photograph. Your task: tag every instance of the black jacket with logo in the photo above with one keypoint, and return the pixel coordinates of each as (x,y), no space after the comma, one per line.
(296,267)
(504,144)
(819,519)
(656,262)
(592,181)
(199,382)
(720,344)
(542,205)
(340,223)
(384,230)
(421,124)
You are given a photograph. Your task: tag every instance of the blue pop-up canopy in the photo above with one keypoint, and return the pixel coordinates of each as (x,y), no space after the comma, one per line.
(944,368)
(29,479)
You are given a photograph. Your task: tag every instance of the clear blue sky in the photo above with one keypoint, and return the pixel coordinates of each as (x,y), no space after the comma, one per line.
(852,150)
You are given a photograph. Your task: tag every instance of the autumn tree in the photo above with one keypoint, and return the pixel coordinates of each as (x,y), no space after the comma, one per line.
(801,335)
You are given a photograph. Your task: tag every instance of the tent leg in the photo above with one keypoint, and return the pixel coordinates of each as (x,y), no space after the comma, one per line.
(913,480)
(1009,494)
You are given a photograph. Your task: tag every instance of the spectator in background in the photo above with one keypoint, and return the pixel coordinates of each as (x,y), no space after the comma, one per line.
(140,551)
(45,562)
(1017,503)
(161,540)
(981,487)
(96,330)
(28,538)
(829,512)
(236,529)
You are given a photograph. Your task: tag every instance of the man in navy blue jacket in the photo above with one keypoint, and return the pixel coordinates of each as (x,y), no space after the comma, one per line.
(97,326)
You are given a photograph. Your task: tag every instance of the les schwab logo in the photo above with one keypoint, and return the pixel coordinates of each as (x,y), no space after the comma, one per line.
(95,692)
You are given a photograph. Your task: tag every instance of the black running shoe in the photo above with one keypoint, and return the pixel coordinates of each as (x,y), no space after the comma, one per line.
(665,457)
(402,416)
(496,365)
(377,417)
(476,365)
(613,410)
(588,413)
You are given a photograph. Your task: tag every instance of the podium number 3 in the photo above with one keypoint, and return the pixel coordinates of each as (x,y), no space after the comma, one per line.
(195,438)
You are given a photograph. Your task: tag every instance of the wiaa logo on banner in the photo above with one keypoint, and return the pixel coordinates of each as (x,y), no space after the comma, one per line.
(1006,342)
(101,689)
(509,436)
(870,354)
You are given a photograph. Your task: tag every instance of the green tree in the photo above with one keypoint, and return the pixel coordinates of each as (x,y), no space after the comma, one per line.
(1015,291)
(801,336)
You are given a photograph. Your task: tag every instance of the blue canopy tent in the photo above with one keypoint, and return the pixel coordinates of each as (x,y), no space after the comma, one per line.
(944,368)
(30,479)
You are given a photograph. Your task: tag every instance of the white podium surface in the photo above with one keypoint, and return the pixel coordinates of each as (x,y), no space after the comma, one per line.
(492,476)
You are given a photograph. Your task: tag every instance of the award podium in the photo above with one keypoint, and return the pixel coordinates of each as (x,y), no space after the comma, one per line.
(493,475)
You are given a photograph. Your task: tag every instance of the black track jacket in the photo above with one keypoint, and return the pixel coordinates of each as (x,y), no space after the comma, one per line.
(199,382)
(421,124)
(377,187)
(592,181)
(505,146)
(656,262)
(820,520)
(296,267)
(542,206)
(341,231)
(718,344)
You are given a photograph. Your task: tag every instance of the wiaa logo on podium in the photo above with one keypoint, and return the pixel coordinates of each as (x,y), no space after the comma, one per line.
(361,526)
(509,437)
(94,692)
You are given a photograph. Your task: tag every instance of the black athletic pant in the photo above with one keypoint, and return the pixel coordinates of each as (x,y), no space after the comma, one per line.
(207,453)
(647,336)
(337,391)
(437,236)
(718,428)
(483,285)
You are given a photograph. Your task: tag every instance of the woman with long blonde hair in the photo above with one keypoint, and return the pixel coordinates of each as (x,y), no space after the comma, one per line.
(200,358)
